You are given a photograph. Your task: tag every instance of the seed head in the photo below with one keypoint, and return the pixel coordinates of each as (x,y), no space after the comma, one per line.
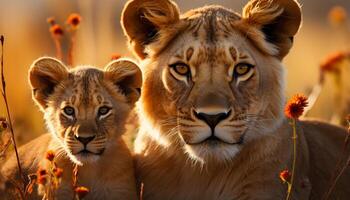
(42,180)
(50,155)
(81,191)
(337,15)
(56,30)
(3,124)
(41,172)
(51,21)
(74,20)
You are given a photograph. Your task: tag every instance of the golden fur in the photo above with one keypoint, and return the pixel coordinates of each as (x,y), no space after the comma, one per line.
(212,104)
(85,110)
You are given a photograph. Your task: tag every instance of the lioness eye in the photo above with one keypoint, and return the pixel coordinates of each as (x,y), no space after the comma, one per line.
(181,68)
(103,110)
(242,69)
(68,111)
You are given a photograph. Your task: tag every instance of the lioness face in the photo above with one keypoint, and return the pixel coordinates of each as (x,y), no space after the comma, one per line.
(86,108)
(217,90)
(213,79)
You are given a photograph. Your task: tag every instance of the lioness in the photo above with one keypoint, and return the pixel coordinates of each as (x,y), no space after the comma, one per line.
(85,110)
(212,105)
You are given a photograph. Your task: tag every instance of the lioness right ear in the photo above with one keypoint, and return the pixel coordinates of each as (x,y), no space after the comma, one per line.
(127,76)
(279,21)
(44,75)
(142,20)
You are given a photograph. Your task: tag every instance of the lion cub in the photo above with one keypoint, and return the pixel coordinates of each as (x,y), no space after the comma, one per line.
(85,109)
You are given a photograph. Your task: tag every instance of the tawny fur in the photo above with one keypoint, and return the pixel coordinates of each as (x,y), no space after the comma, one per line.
(211,41)
(107,171)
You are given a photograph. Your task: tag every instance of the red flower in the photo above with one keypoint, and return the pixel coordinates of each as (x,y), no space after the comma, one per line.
(74,20)
(330,64)
(115,56)
(295,106)
(58,172)
(81,192)
(56,30)
(50,155)
(285,176)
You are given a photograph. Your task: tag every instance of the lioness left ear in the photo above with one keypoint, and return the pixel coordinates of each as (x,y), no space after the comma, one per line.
(127,76)
(279,20)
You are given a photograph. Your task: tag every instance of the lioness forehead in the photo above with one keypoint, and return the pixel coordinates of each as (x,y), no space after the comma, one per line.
(210,22)
(214,26)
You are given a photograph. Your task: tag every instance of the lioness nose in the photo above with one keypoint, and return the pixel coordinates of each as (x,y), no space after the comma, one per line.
(212,119)
(84,140)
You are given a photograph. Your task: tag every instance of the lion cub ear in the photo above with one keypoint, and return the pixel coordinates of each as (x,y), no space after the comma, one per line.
(279,20)
(44,75)
(127,76)
(142,20)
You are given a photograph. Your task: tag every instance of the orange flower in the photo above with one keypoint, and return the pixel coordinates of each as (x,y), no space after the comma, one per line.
(285,176)
(51,21)
(331,63)
(56,30)
(58,172)
(115,56)
(337,15)
(295,106)
(50,155)
(74,20)
(81,192)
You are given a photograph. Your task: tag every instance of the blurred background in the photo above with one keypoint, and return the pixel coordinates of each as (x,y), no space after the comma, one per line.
(27,37)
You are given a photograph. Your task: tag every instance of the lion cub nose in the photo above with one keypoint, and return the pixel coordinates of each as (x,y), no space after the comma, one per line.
(84,140)
(212,119)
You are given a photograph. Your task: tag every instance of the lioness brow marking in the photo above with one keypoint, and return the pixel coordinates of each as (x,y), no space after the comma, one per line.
(179,56)
(233,53)
(189,53)
(243,56)
(99,99)
(73,99)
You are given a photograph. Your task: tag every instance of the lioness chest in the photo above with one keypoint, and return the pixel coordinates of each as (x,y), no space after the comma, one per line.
(166,176)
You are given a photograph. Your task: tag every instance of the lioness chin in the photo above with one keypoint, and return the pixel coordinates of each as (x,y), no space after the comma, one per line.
(212,105)
(85,110)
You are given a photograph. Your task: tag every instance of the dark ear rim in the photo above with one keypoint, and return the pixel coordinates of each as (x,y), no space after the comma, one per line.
(148,27)
(44,75)
(127,76)
(278,20)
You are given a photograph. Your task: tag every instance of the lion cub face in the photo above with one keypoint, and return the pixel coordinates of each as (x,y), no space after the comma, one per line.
(85,108)
(218,75)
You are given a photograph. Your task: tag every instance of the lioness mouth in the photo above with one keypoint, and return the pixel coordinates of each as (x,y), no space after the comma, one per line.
(86,152)
(213,140)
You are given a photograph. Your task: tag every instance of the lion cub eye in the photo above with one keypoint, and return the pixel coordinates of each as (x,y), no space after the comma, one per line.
(104,110)
(242,69)
(68,110)
(181,69)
